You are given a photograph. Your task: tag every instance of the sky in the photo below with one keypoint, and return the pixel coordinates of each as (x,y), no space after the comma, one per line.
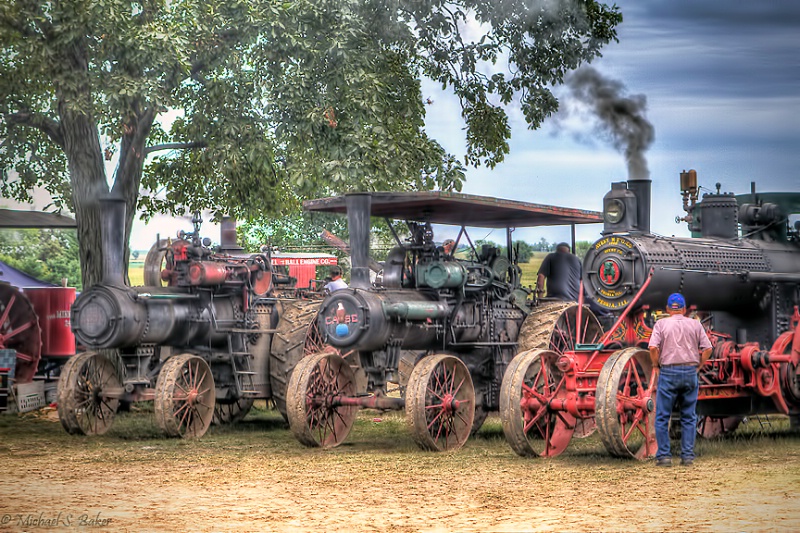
(722,83)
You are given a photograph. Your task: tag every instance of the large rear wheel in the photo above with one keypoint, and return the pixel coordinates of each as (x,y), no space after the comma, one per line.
(20,331)
(553,326)
(295,324)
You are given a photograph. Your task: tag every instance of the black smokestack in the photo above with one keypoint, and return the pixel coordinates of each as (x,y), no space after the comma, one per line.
(623,118)
(112,213)
(227,236)
(359,207)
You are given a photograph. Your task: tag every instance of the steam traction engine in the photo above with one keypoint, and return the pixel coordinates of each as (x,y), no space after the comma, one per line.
(443,328)
(199,346)
(745,289)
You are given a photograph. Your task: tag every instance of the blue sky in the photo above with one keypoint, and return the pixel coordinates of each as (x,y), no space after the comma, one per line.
(722,82)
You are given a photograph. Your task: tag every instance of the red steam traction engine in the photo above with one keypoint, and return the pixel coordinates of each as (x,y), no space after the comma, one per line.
(746,290)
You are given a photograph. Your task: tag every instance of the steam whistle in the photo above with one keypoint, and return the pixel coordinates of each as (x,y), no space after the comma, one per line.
(689,193)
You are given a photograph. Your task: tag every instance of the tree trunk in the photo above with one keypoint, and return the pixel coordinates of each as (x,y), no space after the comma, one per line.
(84,160)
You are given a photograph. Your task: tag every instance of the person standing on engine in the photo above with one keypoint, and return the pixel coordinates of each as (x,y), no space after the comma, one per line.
(336,281)
(679,346)
(562,269)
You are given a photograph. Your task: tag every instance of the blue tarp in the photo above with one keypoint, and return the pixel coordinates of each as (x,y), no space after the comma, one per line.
(20,279)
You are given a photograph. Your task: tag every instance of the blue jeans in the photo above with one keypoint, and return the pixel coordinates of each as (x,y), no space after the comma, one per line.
(677,389)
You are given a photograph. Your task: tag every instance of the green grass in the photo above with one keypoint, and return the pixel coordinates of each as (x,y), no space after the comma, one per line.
(531,268)
(373,433)
(136,273)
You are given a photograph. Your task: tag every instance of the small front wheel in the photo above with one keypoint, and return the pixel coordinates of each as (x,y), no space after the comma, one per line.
(316,417)
(440,403)
(185,396)
(83,409)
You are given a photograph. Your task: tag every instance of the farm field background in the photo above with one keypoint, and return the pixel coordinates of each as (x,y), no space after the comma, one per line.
(254,476)
(529,269)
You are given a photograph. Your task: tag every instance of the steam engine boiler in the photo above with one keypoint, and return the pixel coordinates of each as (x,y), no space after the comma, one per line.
(740,273)
(198,346)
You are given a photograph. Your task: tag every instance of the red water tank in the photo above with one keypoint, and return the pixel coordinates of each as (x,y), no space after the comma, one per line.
(52,305)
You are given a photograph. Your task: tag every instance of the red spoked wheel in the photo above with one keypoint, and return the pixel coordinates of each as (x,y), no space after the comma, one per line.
(315,417)
(556,326)
(82,407)
(440,403)
(185,396)
(626,404)
(529,396)
(19,330)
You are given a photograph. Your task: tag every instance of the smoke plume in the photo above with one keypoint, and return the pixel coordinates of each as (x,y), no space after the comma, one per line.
(623,117)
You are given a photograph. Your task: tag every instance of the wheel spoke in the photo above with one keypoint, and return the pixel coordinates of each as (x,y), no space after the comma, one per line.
(7,309)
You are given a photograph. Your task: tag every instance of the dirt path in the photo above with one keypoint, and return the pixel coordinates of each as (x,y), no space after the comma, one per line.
(245,483)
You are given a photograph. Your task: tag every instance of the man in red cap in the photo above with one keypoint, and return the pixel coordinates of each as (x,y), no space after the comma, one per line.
(679,346)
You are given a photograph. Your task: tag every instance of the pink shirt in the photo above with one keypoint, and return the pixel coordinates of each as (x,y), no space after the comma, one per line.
(680,340)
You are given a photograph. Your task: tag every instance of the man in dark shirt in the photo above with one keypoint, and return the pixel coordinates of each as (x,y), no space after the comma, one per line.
(563,272)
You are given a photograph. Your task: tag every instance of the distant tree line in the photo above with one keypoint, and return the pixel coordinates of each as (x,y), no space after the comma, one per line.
(524,251)
(49,255)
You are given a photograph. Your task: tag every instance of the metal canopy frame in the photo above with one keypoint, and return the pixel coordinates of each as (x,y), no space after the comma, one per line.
(18,219)
(439,207)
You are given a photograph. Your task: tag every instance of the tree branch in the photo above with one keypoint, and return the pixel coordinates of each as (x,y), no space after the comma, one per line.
(174,146)
(52,128)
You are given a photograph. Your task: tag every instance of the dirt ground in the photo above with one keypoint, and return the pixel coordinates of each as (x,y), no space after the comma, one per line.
(255,477)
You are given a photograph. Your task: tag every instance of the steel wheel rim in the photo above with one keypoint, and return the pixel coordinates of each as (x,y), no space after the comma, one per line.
(84,408)
(445,388)
(547,431)
(626,404)
(565,331)
(20,331)
(185,396)
(190,403)
(330,423)
(440,403)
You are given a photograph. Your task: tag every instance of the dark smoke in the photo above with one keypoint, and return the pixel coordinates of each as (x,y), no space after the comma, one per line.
(623,117)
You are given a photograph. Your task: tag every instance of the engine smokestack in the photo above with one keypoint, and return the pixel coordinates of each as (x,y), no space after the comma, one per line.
(359,206)
(227,237)
(641,189)
(112,212)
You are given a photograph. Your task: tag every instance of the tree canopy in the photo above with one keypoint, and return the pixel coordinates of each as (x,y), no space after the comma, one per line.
(244,107)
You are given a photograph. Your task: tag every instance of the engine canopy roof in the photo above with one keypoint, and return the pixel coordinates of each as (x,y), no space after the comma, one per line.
(440,207)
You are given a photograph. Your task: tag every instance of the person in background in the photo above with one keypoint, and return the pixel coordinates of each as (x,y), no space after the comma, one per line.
(447,247)
(563,270)
(679,346)
(336,281)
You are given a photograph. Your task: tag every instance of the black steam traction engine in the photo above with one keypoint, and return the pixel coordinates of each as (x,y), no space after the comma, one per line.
(745,289)
(442,328)
(202,347)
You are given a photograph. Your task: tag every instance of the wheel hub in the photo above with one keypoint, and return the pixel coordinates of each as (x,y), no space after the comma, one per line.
(450,404)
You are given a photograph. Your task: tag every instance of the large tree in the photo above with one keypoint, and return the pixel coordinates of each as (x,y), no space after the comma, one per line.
(245,106)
